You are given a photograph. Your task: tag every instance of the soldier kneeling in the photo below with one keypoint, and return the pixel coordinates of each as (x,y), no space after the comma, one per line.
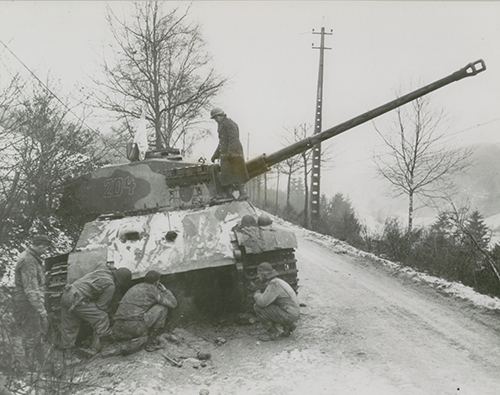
(89,299)
(277,307)
(143,311)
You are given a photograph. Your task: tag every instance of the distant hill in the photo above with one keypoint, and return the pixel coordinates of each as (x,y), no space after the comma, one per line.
(480,185)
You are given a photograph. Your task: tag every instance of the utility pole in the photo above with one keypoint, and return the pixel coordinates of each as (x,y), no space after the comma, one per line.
(265,190)
(276,202)
(316,159)
(248,145)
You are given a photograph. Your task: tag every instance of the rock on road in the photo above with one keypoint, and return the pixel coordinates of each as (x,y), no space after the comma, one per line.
(362,331)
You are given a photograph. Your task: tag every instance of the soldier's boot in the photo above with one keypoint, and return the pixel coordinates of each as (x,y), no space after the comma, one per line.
(153,343)
(272,331)
(107,340)
(94,349)
(133,345)
(96,344)
(288,329)
(69,358)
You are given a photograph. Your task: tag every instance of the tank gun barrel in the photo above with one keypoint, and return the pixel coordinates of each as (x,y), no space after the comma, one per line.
(261,164)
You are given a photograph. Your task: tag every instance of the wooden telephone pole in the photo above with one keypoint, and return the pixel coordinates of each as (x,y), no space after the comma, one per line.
(316,159)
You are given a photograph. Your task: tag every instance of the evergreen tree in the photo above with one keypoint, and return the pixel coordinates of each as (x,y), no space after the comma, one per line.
(339,219)
(478,230)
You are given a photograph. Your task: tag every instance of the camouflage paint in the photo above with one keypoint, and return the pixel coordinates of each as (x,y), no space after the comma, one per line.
(132,187)
(203,239)
(83,262)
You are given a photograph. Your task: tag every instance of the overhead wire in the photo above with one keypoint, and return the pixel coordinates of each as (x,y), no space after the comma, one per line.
(60,101)
(472,127)
(445,138)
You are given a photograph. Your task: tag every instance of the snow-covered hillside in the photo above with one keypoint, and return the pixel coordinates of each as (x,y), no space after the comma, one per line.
(448,287)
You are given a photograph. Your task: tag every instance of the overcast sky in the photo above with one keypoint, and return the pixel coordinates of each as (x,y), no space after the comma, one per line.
(264,48)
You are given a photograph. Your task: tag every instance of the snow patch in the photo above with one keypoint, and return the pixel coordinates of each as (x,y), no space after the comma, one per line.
(17,243)
(455,289)
(295,355)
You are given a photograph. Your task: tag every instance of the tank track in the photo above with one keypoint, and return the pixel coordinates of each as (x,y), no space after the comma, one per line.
(56,273)
(283,261)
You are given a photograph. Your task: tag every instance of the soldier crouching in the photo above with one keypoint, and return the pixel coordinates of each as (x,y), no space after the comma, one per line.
(89,299)
(277,306)
(143,311)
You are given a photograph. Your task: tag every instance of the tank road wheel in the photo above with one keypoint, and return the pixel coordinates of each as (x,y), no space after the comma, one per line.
(56,273)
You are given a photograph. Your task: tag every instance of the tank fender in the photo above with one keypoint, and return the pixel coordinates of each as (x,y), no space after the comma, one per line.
(85,261)
(256,239)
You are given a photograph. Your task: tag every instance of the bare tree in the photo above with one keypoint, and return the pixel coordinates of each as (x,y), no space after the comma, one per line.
(45,150)
(301,132)
(161,68)
(418,165)
(9,172)
(289,167)
(276,196)
(303,161)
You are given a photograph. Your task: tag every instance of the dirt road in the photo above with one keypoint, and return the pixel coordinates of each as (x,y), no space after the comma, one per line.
(363,331)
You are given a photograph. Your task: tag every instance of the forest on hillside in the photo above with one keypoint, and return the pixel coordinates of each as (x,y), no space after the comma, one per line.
(457,245)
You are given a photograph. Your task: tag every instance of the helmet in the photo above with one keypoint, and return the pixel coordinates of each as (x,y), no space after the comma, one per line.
(40,239)
(151,277)
(123,277)
(264,220)
(267,271)
(248,220)
(216,111)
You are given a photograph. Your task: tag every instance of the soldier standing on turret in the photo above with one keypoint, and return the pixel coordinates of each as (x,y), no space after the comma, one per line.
(230,152)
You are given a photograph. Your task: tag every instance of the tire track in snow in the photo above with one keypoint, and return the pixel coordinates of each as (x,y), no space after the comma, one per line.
(420,341)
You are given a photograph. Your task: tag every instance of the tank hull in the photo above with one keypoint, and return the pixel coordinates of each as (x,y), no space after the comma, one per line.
(204,255)
(204,238)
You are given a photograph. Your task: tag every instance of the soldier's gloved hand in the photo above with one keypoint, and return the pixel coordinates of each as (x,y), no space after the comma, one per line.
(44,324)
(252,286)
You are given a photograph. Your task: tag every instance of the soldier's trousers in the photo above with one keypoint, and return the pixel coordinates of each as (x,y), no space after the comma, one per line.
(73,313)
(153,320)
(28,323)
(276,315)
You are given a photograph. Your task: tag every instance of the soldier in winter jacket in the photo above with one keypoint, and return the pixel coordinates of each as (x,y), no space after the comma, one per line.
(89,299)
(29,297)
(277,307)
(143,310)
(230,152)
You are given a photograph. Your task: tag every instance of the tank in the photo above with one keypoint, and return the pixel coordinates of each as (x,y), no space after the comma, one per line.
(163,213)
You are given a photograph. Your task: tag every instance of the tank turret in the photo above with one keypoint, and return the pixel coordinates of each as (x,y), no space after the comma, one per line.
(164,181)
(160,213)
